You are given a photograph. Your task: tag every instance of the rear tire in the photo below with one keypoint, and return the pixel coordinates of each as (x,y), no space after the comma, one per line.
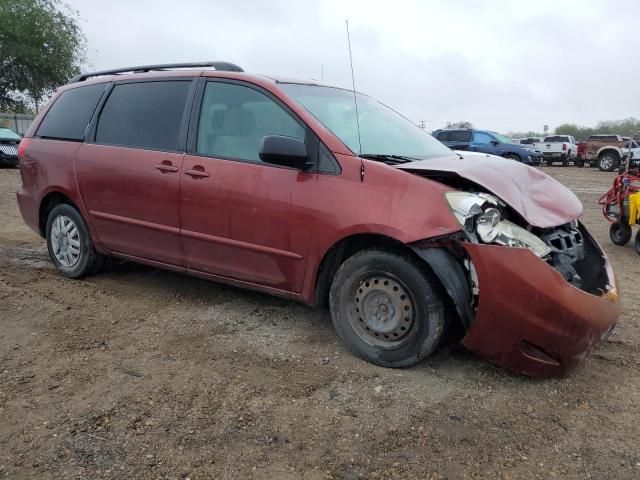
(565,161)
(69,243)
(513,156)
(580,163)
(608,161)
(387,308)
(549,162)
(637,242)
(620,233)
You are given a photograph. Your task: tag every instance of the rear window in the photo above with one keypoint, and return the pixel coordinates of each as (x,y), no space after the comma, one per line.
(144,115)
(444,136)
(557,138)
(603,138)
(69,116)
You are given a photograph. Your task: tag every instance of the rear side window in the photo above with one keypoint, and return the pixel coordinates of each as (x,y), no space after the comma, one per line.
(461,136)
(144,115)
(69,116)
(444,136)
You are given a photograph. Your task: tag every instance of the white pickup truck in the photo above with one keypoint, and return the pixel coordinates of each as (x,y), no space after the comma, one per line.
(558,148)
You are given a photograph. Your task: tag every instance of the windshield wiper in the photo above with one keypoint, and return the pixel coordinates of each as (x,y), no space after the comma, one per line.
(390,159)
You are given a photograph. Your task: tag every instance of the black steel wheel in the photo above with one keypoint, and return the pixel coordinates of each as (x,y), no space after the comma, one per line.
(387,308)
(620,233)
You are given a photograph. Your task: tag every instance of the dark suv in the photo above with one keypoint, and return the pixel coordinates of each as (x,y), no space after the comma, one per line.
(485,141)
(269,184)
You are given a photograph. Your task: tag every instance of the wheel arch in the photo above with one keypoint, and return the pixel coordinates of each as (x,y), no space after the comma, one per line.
(447,269)
(607,149)
(48,203)
(340,251)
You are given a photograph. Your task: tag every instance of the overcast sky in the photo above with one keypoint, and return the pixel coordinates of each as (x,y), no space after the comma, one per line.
(503,65)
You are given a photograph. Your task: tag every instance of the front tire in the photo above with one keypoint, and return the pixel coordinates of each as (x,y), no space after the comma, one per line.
(69,243)
(387,308)
(513,156)
(637,242)
(620,233)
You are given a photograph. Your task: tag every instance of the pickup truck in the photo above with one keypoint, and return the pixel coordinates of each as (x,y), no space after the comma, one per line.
(630,151)
(604,150)
(558,148)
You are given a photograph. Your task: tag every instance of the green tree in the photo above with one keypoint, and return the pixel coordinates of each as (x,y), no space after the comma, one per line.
(41,47)
(629,127)
(461,124)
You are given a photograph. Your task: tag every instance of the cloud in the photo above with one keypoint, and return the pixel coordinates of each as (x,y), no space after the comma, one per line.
(503,65)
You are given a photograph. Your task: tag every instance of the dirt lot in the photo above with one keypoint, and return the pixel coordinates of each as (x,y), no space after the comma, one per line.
(140,373)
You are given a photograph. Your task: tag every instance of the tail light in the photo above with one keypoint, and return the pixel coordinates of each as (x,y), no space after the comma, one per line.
(564,146)
(22,148)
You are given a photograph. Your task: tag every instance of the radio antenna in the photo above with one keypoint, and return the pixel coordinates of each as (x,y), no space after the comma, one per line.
(355,101)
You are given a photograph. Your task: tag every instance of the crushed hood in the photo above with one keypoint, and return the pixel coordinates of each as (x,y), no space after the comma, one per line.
(541,200)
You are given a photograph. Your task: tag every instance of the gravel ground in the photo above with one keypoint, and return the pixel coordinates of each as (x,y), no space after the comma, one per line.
(140,373)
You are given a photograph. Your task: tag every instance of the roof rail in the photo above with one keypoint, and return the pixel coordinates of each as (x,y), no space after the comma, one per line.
(222,66)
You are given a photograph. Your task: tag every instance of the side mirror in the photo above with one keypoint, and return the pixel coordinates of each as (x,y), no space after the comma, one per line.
(286,151)
(494,142)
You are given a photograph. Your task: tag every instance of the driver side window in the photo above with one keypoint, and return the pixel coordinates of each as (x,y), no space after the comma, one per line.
(234,119)
(482,138)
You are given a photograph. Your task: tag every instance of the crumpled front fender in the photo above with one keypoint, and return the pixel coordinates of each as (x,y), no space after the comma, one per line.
(529,319)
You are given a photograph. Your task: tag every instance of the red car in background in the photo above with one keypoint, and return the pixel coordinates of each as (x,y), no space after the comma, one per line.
(272,184)
(580,153)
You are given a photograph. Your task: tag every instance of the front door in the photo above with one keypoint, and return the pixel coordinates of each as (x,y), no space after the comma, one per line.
(129,175)
(485,143)
(241,218)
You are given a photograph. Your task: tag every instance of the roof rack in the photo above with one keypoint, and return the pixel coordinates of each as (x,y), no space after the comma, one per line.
(222,66)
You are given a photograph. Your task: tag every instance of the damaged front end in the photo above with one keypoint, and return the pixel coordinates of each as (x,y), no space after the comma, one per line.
(536,299)
(486,219)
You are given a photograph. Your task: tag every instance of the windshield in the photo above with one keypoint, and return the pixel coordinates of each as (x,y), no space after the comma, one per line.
(383,131)
(7,134)
(501,138)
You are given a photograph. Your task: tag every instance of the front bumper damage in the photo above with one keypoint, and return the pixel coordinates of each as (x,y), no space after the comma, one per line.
(528,318)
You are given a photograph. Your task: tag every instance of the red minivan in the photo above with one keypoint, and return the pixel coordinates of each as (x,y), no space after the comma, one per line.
(274,184)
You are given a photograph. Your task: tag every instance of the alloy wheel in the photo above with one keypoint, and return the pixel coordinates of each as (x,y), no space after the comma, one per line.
(65,241)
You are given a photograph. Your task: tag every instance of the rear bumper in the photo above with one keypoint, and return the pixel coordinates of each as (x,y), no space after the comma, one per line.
(28,205)
(530,319)
(8,159)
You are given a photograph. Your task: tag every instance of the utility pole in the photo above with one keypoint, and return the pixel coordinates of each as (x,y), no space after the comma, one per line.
(422,125)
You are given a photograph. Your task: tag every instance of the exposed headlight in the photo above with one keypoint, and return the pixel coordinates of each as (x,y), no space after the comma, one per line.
(479,214)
